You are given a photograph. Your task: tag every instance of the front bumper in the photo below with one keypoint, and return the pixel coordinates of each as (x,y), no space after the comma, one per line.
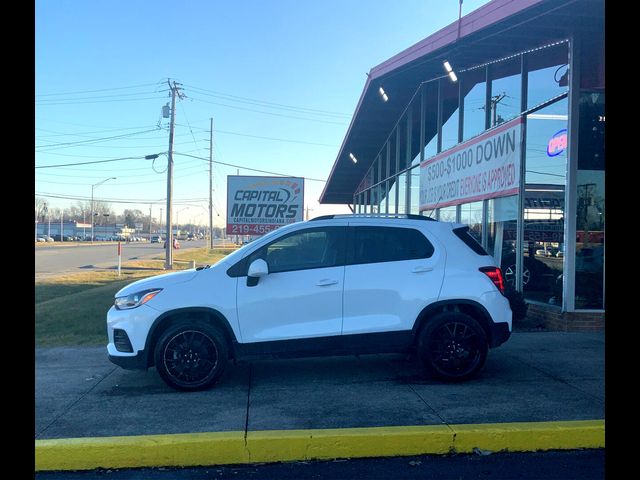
(135,323)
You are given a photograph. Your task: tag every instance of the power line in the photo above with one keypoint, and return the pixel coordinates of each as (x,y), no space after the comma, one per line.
(250,169)
(99,101)
(253,101)
(73,99)
(111,200)
(89,163)
(266,113)
(275,139)
(92,173)
(95,91)
(103,139)
(81,134)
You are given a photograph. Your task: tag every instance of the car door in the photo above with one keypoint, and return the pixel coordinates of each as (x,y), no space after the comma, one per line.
(301,296)
(392,273)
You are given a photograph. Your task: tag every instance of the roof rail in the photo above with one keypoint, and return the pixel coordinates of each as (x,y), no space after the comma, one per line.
(410,216)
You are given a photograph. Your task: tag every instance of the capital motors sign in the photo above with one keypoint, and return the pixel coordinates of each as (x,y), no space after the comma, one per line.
(257,205)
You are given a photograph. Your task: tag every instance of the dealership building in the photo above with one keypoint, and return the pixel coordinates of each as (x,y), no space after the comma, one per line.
(497,122)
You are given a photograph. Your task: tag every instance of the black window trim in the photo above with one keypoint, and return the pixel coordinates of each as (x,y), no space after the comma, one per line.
(465,237)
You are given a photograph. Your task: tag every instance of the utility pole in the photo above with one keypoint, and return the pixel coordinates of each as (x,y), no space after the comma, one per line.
(175,90)
(61,226)
(150,220)
(494,108)
(211,186)
(45,211)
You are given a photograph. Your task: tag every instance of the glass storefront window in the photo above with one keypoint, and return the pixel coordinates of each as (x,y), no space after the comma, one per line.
(545,180)
(449,105)
(501,234)
(374,200)
(382,197)
(506,86)
(402,193)
(547,69)
(415,190)
(392,196)
(390,166)
(590,194)
(448,214)
(430,121)
(474,88)
(471,214)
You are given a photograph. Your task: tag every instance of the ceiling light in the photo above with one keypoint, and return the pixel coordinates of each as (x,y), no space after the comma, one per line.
(447,66)
(353,158)
(453,76)
(383,94)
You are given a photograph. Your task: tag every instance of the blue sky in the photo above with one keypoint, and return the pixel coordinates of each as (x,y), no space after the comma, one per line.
(281,79)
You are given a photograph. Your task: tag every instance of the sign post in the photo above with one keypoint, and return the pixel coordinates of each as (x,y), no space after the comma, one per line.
(119,256)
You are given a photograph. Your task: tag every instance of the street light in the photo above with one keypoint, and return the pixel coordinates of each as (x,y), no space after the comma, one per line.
(92,213)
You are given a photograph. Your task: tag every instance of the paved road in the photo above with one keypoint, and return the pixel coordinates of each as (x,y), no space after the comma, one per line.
(534,377)
(54,259)
(558,465)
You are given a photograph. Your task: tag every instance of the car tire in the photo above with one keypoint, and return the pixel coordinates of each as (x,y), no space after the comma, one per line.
(453,347)
(191,356)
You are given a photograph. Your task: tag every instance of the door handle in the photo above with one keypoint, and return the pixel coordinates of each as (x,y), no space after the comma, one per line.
(326,281)
(421,269)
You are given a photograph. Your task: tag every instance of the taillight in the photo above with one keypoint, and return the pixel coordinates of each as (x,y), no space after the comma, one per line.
(495,274)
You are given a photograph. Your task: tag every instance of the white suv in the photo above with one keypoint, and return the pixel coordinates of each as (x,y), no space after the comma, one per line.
(334,285)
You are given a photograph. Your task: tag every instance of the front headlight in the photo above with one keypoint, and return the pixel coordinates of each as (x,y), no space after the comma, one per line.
(135,299)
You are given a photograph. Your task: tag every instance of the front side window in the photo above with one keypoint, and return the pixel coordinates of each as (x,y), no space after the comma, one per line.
(388,244)
(303,250)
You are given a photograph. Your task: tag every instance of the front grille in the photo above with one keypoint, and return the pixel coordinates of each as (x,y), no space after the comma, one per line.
(121,341)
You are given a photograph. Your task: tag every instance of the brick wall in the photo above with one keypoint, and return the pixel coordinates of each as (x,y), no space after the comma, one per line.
(554,319)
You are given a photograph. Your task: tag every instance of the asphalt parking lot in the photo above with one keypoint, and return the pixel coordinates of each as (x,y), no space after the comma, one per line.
(534,377)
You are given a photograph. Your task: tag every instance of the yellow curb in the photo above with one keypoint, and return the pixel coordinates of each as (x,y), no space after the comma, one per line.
(141,451)
(528,437)
(288,445)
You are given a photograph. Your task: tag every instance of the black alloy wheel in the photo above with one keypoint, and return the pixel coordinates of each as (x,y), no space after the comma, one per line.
(510,275)
(453,346)
(191,356)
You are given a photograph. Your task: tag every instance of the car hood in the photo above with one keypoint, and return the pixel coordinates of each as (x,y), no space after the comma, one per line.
(159,281)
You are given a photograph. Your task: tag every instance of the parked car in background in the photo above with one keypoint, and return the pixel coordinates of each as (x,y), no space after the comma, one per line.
(156,239)
(41,239)
(176,244)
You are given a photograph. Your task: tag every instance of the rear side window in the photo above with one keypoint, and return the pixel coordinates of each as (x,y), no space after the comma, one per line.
(388,244)
(463,234)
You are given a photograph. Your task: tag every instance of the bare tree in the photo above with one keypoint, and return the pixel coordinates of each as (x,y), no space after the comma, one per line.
(131,217)
(40,205)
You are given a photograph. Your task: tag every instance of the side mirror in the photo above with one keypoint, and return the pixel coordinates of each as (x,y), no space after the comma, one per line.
(257,269)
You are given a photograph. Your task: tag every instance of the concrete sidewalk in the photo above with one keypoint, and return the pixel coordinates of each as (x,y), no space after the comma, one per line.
(534,377)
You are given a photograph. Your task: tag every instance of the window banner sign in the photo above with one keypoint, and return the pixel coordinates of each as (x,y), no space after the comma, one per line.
(257,205)
(487,166)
